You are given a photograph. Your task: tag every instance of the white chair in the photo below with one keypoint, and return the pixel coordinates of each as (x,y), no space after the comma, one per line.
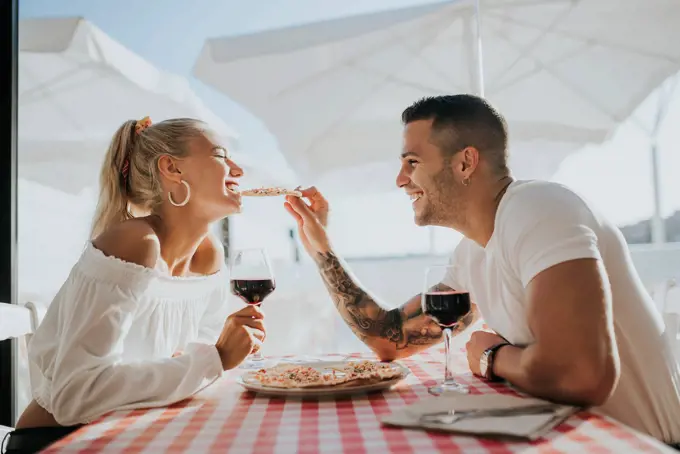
(17,321)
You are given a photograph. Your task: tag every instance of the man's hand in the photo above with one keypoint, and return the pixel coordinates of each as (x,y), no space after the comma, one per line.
(479,342)
(317,203)
(311,220)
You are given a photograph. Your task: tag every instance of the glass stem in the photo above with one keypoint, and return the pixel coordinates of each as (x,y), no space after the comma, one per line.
(257,356)
(448,366)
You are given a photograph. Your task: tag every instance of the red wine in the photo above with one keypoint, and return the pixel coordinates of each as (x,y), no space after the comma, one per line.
(447,308)
(252,291)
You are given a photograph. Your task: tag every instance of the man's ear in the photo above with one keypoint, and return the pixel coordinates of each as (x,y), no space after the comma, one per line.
(470,160)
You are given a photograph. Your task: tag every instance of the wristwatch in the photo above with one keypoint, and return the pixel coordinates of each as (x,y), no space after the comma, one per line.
(486,362)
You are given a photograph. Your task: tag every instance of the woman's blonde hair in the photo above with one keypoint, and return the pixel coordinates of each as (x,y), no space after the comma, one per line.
(129,176)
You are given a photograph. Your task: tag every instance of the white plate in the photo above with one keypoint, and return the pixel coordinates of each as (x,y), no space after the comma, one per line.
(248,382)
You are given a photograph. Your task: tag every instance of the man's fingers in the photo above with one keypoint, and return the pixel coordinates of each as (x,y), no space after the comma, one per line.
(301,208)
(292,211)
(310,192)
(314,195)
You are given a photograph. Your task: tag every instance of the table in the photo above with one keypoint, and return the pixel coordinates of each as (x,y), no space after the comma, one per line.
(222,418)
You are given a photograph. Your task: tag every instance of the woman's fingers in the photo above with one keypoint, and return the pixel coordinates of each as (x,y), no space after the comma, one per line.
(250,310)
(252,323)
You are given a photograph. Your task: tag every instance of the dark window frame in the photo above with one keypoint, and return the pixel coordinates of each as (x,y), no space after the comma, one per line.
(9,54)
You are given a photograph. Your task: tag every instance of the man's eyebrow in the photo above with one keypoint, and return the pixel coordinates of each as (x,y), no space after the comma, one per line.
(408,153)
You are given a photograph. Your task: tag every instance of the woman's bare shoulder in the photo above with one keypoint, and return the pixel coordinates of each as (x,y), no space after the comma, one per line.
(209,257)
(133,241)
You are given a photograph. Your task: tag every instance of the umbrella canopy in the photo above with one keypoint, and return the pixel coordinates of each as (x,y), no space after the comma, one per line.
(76,86)
(565,73)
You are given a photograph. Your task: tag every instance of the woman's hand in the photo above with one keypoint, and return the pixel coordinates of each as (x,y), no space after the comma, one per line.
(243,333)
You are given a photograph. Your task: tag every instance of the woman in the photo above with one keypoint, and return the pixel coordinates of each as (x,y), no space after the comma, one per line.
(139,321)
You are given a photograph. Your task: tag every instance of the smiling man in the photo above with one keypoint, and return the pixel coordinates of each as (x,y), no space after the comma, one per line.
(546,271)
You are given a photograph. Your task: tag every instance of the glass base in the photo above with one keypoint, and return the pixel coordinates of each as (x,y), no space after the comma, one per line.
(447,387)
(255,361)
(303,359)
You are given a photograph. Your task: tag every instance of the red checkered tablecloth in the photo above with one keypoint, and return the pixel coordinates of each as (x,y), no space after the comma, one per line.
(223,418)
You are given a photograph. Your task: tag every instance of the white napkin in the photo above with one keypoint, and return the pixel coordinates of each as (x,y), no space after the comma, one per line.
(527,427)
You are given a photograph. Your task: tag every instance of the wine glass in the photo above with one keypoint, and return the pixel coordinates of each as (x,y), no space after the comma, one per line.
(252,280)
(446,308)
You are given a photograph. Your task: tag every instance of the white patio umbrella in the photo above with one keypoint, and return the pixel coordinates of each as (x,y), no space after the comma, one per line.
(76,86)
(565,73)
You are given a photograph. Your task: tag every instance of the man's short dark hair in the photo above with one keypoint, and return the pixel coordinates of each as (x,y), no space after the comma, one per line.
(460,121)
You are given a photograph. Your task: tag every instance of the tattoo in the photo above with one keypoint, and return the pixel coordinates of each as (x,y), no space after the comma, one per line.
(352,303)
(404,327)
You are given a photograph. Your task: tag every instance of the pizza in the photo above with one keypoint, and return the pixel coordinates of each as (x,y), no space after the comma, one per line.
(270,192)
(298,377)
(348,375)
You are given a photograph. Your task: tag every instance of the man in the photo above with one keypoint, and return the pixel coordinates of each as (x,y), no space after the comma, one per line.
(546,271)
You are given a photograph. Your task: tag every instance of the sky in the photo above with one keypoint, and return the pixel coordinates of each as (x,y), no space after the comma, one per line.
(616,176)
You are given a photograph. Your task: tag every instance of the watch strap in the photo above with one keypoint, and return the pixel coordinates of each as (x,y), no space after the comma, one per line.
(490,354)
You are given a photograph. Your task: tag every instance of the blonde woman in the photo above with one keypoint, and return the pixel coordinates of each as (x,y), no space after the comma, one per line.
(140,320)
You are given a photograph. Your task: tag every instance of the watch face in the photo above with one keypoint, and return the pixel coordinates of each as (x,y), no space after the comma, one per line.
(484,364)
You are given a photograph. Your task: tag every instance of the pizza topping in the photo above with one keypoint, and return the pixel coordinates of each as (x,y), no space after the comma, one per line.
(371,369)
(270,192)
(298,377)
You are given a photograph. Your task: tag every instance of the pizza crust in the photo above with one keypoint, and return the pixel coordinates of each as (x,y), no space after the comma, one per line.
(270,192)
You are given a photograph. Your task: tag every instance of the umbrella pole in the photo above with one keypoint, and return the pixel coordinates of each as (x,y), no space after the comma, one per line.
(658,227)
(224,237)
(658,224)
(478,82)
(479,61)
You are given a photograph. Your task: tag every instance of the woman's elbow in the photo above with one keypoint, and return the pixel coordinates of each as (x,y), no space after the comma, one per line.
(66,409)
(73,402)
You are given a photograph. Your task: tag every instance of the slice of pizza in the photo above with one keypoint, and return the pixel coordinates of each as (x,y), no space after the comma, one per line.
(270,192)
(371,370)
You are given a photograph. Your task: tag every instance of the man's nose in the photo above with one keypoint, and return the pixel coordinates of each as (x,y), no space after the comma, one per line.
(402,179)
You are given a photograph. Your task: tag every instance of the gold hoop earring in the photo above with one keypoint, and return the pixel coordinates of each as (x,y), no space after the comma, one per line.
(466,181)
(186,199)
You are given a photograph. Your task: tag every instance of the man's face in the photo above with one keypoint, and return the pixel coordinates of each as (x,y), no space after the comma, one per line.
(428,178)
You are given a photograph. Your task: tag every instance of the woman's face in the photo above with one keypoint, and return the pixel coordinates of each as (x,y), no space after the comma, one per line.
(213,178)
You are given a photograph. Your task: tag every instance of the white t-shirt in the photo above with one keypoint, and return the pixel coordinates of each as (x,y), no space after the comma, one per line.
(540,224)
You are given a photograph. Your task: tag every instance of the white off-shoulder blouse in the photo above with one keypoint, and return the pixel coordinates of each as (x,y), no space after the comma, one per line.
(108,339)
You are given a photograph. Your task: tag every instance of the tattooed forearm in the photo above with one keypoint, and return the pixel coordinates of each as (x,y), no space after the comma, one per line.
(363,315)
(401,328)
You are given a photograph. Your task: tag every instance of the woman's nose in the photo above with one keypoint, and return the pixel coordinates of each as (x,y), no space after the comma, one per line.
(234,170)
